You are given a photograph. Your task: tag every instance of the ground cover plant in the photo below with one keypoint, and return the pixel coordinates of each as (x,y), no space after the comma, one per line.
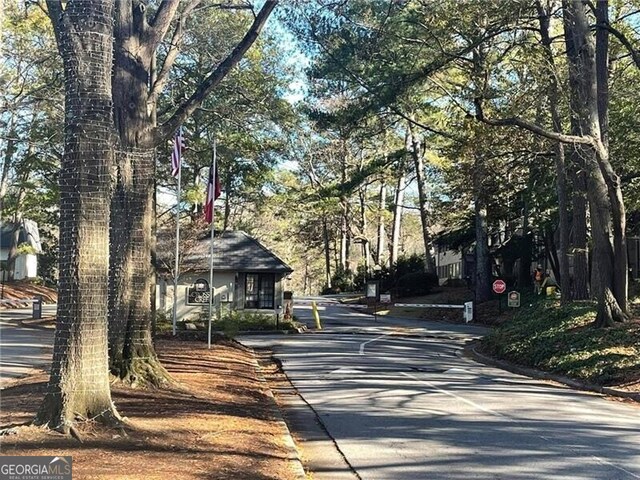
(562,339)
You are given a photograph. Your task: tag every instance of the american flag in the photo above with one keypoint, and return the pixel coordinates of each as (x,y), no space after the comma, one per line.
(213,191)
(176,152)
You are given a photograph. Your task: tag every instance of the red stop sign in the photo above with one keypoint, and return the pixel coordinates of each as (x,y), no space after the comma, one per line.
(499,286)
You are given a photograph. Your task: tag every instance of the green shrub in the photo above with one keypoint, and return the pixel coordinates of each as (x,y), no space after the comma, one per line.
(411,264)
(415,283)
(233,322)
(164,323)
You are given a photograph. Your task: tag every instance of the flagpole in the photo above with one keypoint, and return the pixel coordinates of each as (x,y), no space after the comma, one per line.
(177,262)
(213,218)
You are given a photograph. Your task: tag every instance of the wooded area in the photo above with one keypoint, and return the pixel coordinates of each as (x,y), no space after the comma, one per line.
(355,138)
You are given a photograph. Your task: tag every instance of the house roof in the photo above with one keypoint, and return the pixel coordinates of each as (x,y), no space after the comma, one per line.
(28,233)
(233,251)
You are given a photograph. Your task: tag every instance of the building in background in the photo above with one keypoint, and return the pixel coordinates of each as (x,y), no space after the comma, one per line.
(24,239)
(246,276)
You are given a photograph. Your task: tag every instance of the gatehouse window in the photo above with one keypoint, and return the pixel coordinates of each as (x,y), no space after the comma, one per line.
(259,290)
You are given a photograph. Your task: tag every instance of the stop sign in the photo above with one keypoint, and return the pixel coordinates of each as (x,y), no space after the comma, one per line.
(499,286)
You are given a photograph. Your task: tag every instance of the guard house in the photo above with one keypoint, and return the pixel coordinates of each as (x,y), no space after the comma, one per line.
(246,276)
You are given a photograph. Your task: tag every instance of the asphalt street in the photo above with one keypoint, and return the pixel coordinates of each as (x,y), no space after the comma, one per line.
(23,349)
(401,402)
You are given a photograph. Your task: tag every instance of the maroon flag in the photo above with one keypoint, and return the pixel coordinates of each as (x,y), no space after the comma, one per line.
(176,152)
(213,191)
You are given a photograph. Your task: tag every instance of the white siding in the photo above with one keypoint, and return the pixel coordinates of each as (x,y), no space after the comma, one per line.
(225,291)
(26,266)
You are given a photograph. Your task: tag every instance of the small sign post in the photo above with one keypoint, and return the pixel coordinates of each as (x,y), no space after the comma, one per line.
(513,299)
(372,293)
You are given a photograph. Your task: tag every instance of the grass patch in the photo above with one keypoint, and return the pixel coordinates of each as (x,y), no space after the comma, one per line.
(562,340)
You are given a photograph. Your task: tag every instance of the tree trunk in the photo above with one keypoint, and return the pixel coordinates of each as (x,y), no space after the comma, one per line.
(544,16)
(7,161)
(397,217)
(552,252)
(584,105)
(418,163)
(366,247)
(483,260)
(618,213)
(580,290)
(381,243)
(132,355)
(327,252)
(79,384)
(227,203)
(13,253)
(345,240)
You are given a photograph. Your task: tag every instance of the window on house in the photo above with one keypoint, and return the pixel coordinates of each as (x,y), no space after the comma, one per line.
(259,290)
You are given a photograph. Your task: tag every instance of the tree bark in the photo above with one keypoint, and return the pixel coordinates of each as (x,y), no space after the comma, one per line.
(418,162)
(397,216)
(381,243)
(579,249)
(544,16)
(345,240)
(366,247)
(132,355)
(327,252)
(618,213)
(584,105)
(79,381)
(7,162)
(524,274)
(483,260)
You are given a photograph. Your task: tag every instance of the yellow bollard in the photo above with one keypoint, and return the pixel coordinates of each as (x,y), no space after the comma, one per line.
(316,315)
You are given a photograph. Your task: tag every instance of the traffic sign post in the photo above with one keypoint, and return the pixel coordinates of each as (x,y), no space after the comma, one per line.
(499,287)
(513,299)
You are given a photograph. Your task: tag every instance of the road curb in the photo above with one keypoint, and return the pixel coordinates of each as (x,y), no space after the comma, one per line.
(470,350)
(293,454)
(38,324)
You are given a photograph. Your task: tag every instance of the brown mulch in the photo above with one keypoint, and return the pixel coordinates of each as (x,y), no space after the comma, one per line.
(21,289)
(220,423)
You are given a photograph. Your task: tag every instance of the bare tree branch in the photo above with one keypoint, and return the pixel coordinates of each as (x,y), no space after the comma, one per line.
(174,49)
(635,54)
(534,128)
(159,25)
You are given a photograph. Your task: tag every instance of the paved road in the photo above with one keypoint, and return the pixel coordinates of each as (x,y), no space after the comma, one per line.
(412,407)
(22,349)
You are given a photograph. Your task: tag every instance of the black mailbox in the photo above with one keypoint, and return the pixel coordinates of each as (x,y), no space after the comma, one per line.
(37,308)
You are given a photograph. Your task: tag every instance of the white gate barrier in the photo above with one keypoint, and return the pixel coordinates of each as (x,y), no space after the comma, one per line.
(467,307)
